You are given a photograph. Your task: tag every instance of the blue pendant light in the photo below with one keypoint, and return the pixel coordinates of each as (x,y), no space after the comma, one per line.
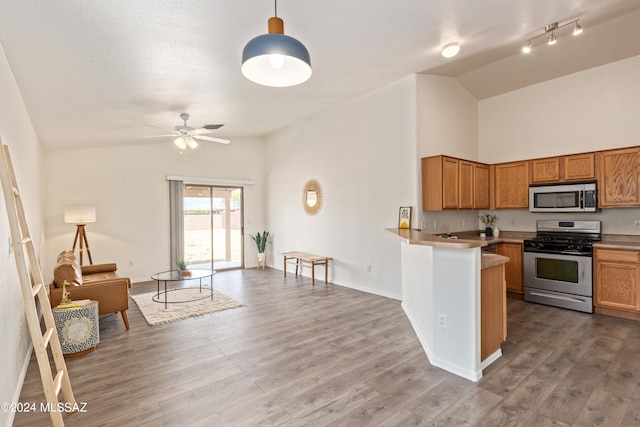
(275,59)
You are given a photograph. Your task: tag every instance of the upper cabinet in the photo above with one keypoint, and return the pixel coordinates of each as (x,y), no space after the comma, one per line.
(579,166)
(450,183)
(511,185)
(465,184)
(545,170)
(565,168)
(618,178)
(480,186)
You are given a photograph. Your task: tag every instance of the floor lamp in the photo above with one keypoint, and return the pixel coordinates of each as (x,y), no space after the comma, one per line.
(80,215)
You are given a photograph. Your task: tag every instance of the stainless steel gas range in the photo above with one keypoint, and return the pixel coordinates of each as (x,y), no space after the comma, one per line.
(558,268)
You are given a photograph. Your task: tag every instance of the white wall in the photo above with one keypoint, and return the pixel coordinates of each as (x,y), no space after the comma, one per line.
(128,186)
(592,110)
(17,132)
(447,124)
(363,154)
(447,118)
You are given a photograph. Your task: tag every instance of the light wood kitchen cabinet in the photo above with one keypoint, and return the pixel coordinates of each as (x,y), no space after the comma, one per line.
(579,167)
(514,270)
(617,281)
(618,180)
(493,310)
(575,167)
(465,184)
(480,186)
(511,185)
(545,170)
(450,183)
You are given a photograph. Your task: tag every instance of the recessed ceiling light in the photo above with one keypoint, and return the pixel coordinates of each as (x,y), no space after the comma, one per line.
(450,50)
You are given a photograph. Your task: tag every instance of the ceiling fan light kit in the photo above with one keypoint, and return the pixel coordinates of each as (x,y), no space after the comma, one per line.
(550,30)
(275,59)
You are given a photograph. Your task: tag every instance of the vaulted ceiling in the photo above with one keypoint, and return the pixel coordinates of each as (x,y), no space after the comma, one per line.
(98,73)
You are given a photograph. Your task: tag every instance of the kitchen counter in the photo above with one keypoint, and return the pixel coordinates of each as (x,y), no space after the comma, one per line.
(493,260)
(461,240)
(619,241)
(441,295)
(417,237)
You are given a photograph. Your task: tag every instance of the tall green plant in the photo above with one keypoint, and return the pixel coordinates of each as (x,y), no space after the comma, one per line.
(261,240)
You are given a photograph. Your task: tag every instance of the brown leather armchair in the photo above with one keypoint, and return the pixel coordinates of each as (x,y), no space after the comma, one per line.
(98,282)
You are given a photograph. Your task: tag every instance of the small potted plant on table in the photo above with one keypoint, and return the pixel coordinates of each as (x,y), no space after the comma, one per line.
(261,244)
(182,267)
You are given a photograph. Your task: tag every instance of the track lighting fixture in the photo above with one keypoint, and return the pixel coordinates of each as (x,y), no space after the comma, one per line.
(551,30)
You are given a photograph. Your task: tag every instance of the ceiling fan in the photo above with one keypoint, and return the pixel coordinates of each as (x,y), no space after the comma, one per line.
(186,135)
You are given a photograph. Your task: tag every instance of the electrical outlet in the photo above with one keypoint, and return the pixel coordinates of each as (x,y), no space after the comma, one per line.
(636,224)
(435,224)
(368,268)
(464,223)
(442,321)
(130,263)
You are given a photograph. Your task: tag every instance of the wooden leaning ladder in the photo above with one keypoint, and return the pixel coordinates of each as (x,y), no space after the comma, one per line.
(33,286)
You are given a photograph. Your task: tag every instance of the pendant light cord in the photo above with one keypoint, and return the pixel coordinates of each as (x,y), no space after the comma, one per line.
(275,6)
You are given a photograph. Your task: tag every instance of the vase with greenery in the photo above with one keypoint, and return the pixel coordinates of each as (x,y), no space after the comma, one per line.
(183,267)
(487,220)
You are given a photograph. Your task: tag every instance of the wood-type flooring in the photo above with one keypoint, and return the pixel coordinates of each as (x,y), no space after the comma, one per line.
(298,355)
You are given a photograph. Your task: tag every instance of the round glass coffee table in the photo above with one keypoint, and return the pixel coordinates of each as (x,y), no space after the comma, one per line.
(176,276)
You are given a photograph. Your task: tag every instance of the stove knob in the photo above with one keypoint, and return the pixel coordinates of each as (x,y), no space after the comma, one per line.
(571,247)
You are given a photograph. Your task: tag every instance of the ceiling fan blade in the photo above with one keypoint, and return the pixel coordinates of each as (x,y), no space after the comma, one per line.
(159,136)
(200,131)
(212,139)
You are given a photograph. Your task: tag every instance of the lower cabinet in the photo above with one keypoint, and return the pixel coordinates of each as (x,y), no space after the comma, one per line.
(514,274)
(493,310)
(617,279)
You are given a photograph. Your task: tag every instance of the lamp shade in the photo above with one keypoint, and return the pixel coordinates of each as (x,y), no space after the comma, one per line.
(275,59)
(79,214)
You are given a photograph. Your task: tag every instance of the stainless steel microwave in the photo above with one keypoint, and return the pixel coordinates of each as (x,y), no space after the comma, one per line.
(566,197)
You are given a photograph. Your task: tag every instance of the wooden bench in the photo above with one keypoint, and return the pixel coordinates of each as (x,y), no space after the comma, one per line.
(300,258)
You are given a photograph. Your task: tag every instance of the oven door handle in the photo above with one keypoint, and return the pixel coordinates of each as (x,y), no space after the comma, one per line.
(560,297)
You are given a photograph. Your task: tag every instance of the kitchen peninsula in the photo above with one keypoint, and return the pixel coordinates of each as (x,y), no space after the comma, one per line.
(455,299)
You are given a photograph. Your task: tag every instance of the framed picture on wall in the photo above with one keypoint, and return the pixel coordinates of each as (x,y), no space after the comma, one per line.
(404,217)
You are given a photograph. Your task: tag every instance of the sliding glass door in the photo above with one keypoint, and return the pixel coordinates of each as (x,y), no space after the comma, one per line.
(213,227)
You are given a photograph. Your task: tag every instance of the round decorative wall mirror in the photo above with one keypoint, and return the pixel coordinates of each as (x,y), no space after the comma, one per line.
(312,197)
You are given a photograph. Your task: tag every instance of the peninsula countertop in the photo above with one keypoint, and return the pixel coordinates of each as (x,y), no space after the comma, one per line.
(472,239)
(417,237)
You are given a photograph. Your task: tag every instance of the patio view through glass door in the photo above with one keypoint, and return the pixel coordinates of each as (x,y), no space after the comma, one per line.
(213,227)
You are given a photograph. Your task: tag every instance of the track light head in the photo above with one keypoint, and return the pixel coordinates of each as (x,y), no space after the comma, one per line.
(527,47)
(577,29)
(552,39)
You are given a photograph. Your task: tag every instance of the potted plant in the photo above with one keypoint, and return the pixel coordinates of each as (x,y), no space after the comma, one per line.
(487,220)
(261,244)
(182,267)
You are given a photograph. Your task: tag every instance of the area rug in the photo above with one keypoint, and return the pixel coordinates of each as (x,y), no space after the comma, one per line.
(155,313)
